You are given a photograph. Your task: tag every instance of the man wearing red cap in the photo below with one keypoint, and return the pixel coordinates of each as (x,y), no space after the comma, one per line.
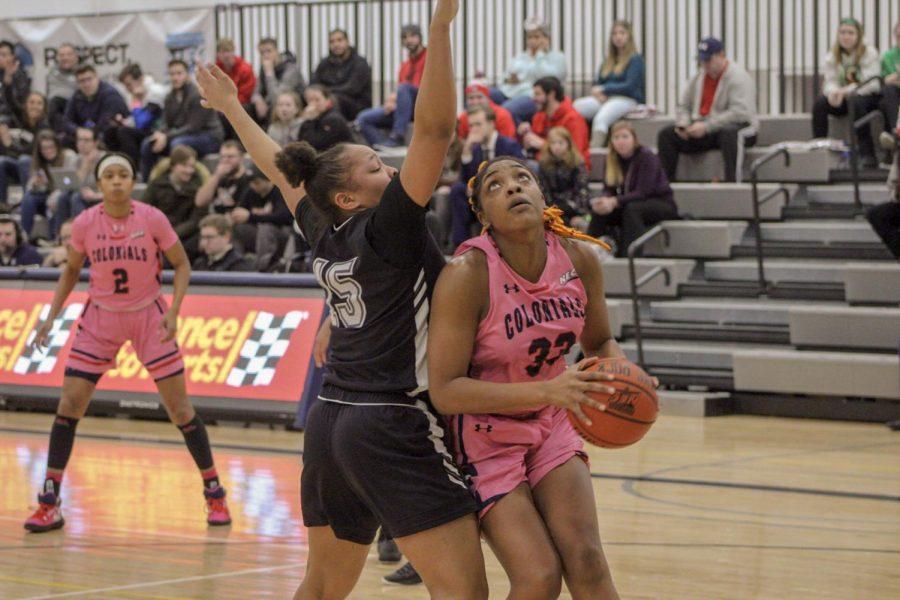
(478,94)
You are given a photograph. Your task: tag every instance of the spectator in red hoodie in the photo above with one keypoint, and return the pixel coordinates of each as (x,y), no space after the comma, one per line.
(397,112)
(238,69)
(478,95)
(554,109)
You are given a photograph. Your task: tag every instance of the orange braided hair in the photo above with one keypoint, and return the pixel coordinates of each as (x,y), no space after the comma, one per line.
(553,221)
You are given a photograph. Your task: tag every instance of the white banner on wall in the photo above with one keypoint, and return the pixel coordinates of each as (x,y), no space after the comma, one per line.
(109,42)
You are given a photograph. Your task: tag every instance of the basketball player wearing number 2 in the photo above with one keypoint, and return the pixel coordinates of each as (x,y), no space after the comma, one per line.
(123,240)
(506,311)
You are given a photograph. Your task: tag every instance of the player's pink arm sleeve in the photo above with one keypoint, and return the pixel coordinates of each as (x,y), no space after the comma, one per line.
(162,230)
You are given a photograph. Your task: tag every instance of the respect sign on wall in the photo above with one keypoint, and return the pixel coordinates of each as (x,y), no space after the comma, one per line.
(256,348)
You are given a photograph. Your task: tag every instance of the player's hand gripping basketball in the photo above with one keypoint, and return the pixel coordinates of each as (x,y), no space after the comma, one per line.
(41,334)
(570,389)
(216,88)
(445,12)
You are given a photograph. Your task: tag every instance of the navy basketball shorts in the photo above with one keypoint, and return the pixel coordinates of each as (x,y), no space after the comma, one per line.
(368,462)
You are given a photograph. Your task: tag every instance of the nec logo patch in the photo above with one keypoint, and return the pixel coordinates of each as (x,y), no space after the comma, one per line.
(568,276)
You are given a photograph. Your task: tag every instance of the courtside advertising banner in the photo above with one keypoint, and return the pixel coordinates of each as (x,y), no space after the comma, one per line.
(109,42)
(242,347)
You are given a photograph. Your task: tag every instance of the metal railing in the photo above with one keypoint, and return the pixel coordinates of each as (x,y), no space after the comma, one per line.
(757,202)
(855,125)
(637,284)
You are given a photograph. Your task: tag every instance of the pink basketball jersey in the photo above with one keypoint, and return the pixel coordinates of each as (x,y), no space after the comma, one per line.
(124,254)
(530,327)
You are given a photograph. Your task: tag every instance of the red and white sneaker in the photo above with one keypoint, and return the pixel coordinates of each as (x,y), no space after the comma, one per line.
(216,507)
(47,517)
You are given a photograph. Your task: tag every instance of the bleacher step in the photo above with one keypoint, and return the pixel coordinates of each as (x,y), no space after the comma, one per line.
(672,353)
(697,239)
(869,193)
(616,282)
(693,404)
(826,232)
(822,373)
(759,312)
(845,327)
(777,270)
(726,200)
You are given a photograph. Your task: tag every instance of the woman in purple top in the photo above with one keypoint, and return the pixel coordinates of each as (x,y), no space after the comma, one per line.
(637,194)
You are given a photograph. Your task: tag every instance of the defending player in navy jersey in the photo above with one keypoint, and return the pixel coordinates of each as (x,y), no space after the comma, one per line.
(374,448)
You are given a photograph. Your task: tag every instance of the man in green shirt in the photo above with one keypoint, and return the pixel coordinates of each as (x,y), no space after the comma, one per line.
(890,70)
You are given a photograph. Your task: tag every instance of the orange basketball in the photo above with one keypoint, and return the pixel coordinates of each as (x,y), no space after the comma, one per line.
(630,411)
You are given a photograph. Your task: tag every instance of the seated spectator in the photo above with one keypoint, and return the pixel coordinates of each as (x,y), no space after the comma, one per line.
(238,69)
(715,105)
(70,203)
(564,177)
(61,84)
(145,99)
(477,94)
(58,254)
(17,141)
(286,120)
(849,63)
(40,191)
(95,105)
(264,221)
(323,126)
(172,188)
(397,112)
(217,251)
(347,74)
(483,143)
(554,110)
(885,218)
(185,122)
(890,70)
(228,184)
(636,193)
(619,86)
(15,251)
(14,81)
(536,62)
(278,72)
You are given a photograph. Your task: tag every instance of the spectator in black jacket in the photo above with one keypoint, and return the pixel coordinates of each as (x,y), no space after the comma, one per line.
(217,251)
(185,122)
(12,76)
(264,220)
(324,125)
(346,74)
(15,251)
(17,141)
(172,190)
(95,105)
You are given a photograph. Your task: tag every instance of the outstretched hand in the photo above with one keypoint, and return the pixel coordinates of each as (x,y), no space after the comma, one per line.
(445,12)
(216,88)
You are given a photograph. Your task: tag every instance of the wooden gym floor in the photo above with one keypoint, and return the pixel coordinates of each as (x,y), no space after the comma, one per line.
(729,507)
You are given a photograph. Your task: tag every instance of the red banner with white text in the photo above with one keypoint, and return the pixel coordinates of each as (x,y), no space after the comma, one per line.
(255,348)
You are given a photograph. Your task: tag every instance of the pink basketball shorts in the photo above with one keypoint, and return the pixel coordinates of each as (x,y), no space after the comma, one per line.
(499,452)
(100,334)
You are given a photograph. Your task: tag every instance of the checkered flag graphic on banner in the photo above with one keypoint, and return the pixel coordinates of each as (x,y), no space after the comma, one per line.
(266,344)
(43,360)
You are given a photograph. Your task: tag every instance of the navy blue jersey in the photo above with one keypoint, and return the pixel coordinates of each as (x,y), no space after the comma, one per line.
(378,269)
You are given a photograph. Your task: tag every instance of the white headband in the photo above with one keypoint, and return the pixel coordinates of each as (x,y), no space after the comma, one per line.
(114,159)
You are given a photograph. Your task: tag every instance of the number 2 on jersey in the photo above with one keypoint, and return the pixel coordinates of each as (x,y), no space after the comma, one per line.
(344,292)
(121,281)
(540,350)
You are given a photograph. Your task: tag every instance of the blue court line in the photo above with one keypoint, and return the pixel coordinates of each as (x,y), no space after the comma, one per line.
(750,486)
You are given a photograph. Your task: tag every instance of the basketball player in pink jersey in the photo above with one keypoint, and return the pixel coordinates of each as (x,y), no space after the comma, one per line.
(505,313)
(123,240)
